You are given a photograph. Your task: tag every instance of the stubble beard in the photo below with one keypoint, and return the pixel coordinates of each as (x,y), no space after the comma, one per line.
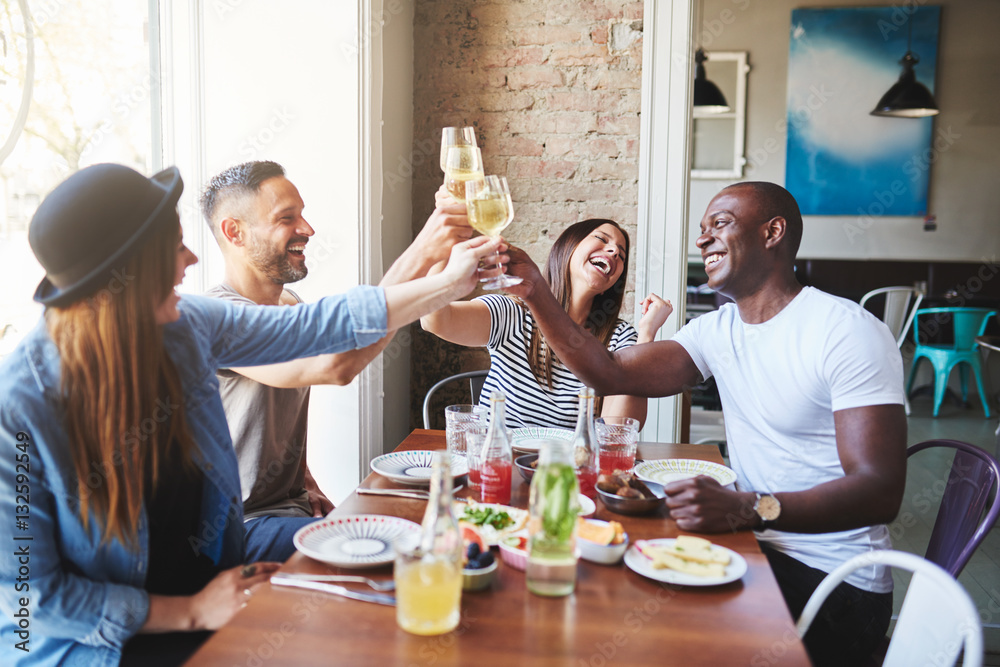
(276,265)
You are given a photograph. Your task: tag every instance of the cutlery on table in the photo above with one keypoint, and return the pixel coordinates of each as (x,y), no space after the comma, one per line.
(378,598)
(385,585)
(415,494)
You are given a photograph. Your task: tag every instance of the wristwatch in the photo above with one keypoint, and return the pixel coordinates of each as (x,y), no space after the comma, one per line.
(768,508)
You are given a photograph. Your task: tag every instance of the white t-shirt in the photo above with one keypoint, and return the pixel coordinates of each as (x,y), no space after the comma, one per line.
(528,402)
(780,383)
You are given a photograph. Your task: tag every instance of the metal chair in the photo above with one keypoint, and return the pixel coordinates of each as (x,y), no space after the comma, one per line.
(968,323)
(476,380)
(960,525)
(938,618)
(898,314)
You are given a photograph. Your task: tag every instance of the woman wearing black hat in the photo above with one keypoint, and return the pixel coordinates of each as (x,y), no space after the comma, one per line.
(126,494)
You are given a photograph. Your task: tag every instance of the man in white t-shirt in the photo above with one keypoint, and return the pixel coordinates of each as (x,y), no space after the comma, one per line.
(812,389)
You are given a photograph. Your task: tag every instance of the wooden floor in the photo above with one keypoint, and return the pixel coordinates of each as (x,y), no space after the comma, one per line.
(981,577)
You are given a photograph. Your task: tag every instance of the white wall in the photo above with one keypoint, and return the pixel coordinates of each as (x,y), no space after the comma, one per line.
(963,176)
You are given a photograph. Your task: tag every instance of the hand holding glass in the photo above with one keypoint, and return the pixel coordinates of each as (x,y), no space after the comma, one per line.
(490,211)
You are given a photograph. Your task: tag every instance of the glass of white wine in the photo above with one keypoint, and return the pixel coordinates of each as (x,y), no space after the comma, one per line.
(490,211)
(463,164)
(455,136)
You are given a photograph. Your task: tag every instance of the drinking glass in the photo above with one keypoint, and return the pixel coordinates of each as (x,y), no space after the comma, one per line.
(617,438)
(490,211)
(463,164)
(428,589)
(475,436)
(455,136)
(458,419)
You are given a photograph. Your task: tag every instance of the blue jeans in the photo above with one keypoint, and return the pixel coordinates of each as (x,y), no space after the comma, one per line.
(851,623)
(269,538)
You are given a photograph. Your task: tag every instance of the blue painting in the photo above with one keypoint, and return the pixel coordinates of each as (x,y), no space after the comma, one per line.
(840,159)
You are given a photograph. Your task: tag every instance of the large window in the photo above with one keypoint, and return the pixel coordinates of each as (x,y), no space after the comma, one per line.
(85,64)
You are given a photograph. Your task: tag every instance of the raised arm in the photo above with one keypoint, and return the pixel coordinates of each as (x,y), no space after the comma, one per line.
(446,226)
(661,368)
(871,443)
(655,312)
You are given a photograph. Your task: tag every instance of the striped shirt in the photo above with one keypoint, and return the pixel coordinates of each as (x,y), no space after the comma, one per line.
(528,402)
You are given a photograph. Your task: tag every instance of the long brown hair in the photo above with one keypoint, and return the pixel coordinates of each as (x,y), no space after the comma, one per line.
(603,316)
(116,378)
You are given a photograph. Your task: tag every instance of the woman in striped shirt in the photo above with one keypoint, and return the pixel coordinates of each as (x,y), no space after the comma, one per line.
(587,270)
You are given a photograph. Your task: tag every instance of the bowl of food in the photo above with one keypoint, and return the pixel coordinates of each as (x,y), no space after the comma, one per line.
(514,551)
(624,493)
(526,466)
(603,542)
(480,568)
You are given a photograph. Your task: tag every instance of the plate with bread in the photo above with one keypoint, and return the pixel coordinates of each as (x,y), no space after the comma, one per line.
(686,560)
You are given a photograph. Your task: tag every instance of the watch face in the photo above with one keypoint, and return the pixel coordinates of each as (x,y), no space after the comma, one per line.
(768,508)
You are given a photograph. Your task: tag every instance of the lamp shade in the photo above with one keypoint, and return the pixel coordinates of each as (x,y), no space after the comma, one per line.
(907,98)
(707,96)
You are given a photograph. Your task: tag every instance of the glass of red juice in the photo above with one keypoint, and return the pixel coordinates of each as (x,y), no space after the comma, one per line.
(617,439)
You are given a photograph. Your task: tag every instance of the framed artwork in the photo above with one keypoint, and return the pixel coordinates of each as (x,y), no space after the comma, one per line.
(840,159)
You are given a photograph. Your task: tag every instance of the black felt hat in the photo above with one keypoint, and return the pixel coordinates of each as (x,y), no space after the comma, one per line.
(93,222)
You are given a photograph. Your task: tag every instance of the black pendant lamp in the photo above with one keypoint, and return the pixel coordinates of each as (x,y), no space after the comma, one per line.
(907,98)
(707,96)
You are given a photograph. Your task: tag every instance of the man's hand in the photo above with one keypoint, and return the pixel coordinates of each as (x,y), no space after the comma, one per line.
(447,225)
(320,504)
(655,312)
(521,265)
(702,505)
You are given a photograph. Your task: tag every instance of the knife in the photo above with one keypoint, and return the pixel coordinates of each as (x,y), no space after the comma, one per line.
(378,598)
(415,494)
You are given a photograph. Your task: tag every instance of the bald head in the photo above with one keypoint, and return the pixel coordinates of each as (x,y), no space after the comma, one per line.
(773,201)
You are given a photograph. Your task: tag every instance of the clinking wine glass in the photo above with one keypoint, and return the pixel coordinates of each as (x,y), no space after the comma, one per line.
(463,164)
(490,211)
(455,136)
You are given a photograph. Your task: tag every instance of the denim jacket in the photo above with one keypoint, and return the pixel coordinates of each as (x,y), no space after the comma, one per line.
(66,596)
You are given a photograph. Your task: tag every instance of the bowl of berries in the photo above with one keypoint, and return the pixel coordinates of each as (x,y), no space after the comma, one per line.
(480,568)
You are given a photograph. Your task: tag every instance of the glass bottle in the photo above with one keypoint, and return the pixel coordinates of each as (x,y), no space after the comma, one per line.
(554,505)
(496,463)
(585,445)
(429,576)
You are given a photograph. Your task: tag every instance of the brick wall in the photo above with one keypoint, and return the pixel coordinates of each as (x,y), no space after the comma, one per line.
(552,88)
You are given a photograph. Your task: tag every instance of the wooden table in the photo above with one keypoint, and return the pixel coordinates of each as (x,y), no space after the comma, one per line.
(615,616)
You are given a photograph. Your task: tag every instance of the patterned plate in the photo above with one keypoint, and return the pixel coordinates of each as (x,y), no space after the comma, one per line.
(526,439)
(414,467)
(664,471)
(355,540)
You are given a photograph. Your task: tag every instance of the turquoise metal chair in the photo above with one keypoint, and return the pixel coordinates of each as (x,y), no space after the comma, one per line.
(962,352)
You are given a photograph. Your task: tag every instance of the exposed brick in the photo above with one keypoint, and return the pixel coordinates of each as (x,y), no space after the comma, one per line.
(545,35)
(622,170)
(530,167)
(509,57)
(618,124)
(521,146)
(534,77)
(582,101)
(553,123)
(598,79)
(489,16)
(599,34)
(579,54)
(558,146)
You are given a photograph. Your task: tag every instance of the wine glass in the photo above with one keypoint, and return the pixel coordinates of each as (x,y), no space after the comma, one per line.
(455,136)
(490,211)
(463,164)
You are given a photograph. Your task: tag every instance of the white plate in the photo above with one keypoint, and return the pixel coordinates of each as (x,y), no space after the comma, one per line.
(414,467)
(587,506)
(526,439)
(355,540)
(637,562)
(665,471)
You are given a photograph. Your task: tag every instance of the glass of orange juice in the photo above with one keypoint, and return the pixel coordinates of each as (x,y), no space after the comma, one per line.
(428,589)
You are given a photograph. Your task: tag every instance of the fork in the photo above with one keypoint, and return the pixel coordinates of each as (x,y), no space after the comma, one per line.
(385,585)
